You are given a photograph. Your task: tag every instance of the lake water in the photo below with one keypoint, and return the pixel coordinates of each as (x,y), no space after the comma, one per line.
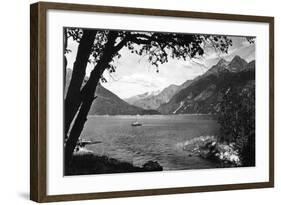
(160,138)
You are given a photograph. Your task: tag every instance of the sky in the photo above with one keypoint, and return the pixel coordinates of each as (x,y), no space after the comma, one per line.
(135,75)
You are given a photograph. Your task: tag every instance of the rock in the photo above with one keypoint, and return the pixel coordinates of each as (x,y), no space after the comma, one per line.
(152,166)
(208,149)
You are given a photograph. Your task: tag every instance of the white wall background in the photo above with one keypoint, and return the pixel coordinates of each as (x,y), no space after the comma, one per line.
(14,102)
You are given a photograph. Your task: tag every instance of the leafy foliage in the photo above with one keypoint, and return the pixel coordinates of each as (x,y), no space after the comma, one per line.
(74,33)
(237,119)
(157,47)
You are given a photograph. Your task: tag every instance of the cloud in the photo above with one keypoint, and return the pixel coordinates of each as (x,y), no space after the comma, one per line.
(135,84)
(143,80)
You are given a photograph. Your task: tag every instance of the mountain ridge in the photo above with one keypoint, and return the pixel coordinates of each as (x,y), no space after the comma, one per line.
(153,101)
(200,95)
(144,101)
(108,103)
(204,94)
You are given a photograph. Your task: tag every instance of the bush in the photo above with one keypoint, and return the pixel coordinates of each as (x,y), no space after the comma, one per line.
(237,120)
(208,147)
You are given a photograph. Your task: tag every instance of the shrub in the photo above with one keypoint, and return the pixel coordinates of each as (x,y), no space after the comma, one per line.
(210,148)
(237,120)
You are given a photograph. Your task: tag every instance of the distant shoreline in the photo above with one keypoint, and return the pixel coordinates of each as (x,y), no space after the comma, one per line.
(191,114)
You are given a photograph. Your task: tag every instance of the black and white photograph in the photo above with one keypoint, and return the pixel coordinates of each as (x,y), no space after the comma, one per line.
(142,101)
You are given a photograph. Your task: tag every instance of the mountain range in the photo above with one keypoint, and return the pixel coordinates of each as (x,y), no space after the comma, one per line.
(205,92)
(153,100)
(161,100)
(107,103)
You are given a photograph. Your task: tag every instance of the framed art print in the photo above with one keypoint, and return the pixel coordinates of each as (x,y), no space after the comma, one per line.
(134,102)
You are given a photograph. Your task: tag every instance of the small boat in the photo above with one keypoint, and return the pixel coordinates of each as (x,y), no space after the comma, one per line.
(135,124)
(83,143)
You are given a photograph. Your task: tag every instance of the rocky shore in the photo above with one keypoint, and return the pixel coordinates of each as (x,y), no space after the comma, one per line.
(209,147)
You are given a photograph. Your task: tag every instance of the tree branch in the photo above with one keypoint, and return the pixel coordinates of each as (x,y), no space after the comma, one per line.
(120,45)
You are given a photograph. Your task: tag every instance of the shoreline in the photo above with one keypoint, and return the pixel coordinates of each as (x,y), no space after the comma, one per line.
(85,162)
(186,114)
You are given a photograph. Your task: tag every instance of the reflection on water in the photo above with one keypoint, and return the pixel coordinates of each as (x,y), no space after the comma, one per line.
(157,139)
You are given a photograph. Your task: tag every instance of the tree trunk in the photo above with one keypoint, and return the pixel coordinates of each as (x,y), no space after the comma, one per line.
(82,114)
(79,123)
(73,97)
(88,97)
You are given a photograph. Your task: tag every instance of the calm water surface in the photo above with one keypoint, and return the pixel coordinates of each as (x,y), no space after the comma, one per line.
(160,138)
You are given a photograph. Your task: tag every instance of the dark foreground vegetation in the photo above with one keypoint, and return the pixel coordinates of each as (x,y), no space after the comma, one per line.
(237,119)
(235,146)
(87,163)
